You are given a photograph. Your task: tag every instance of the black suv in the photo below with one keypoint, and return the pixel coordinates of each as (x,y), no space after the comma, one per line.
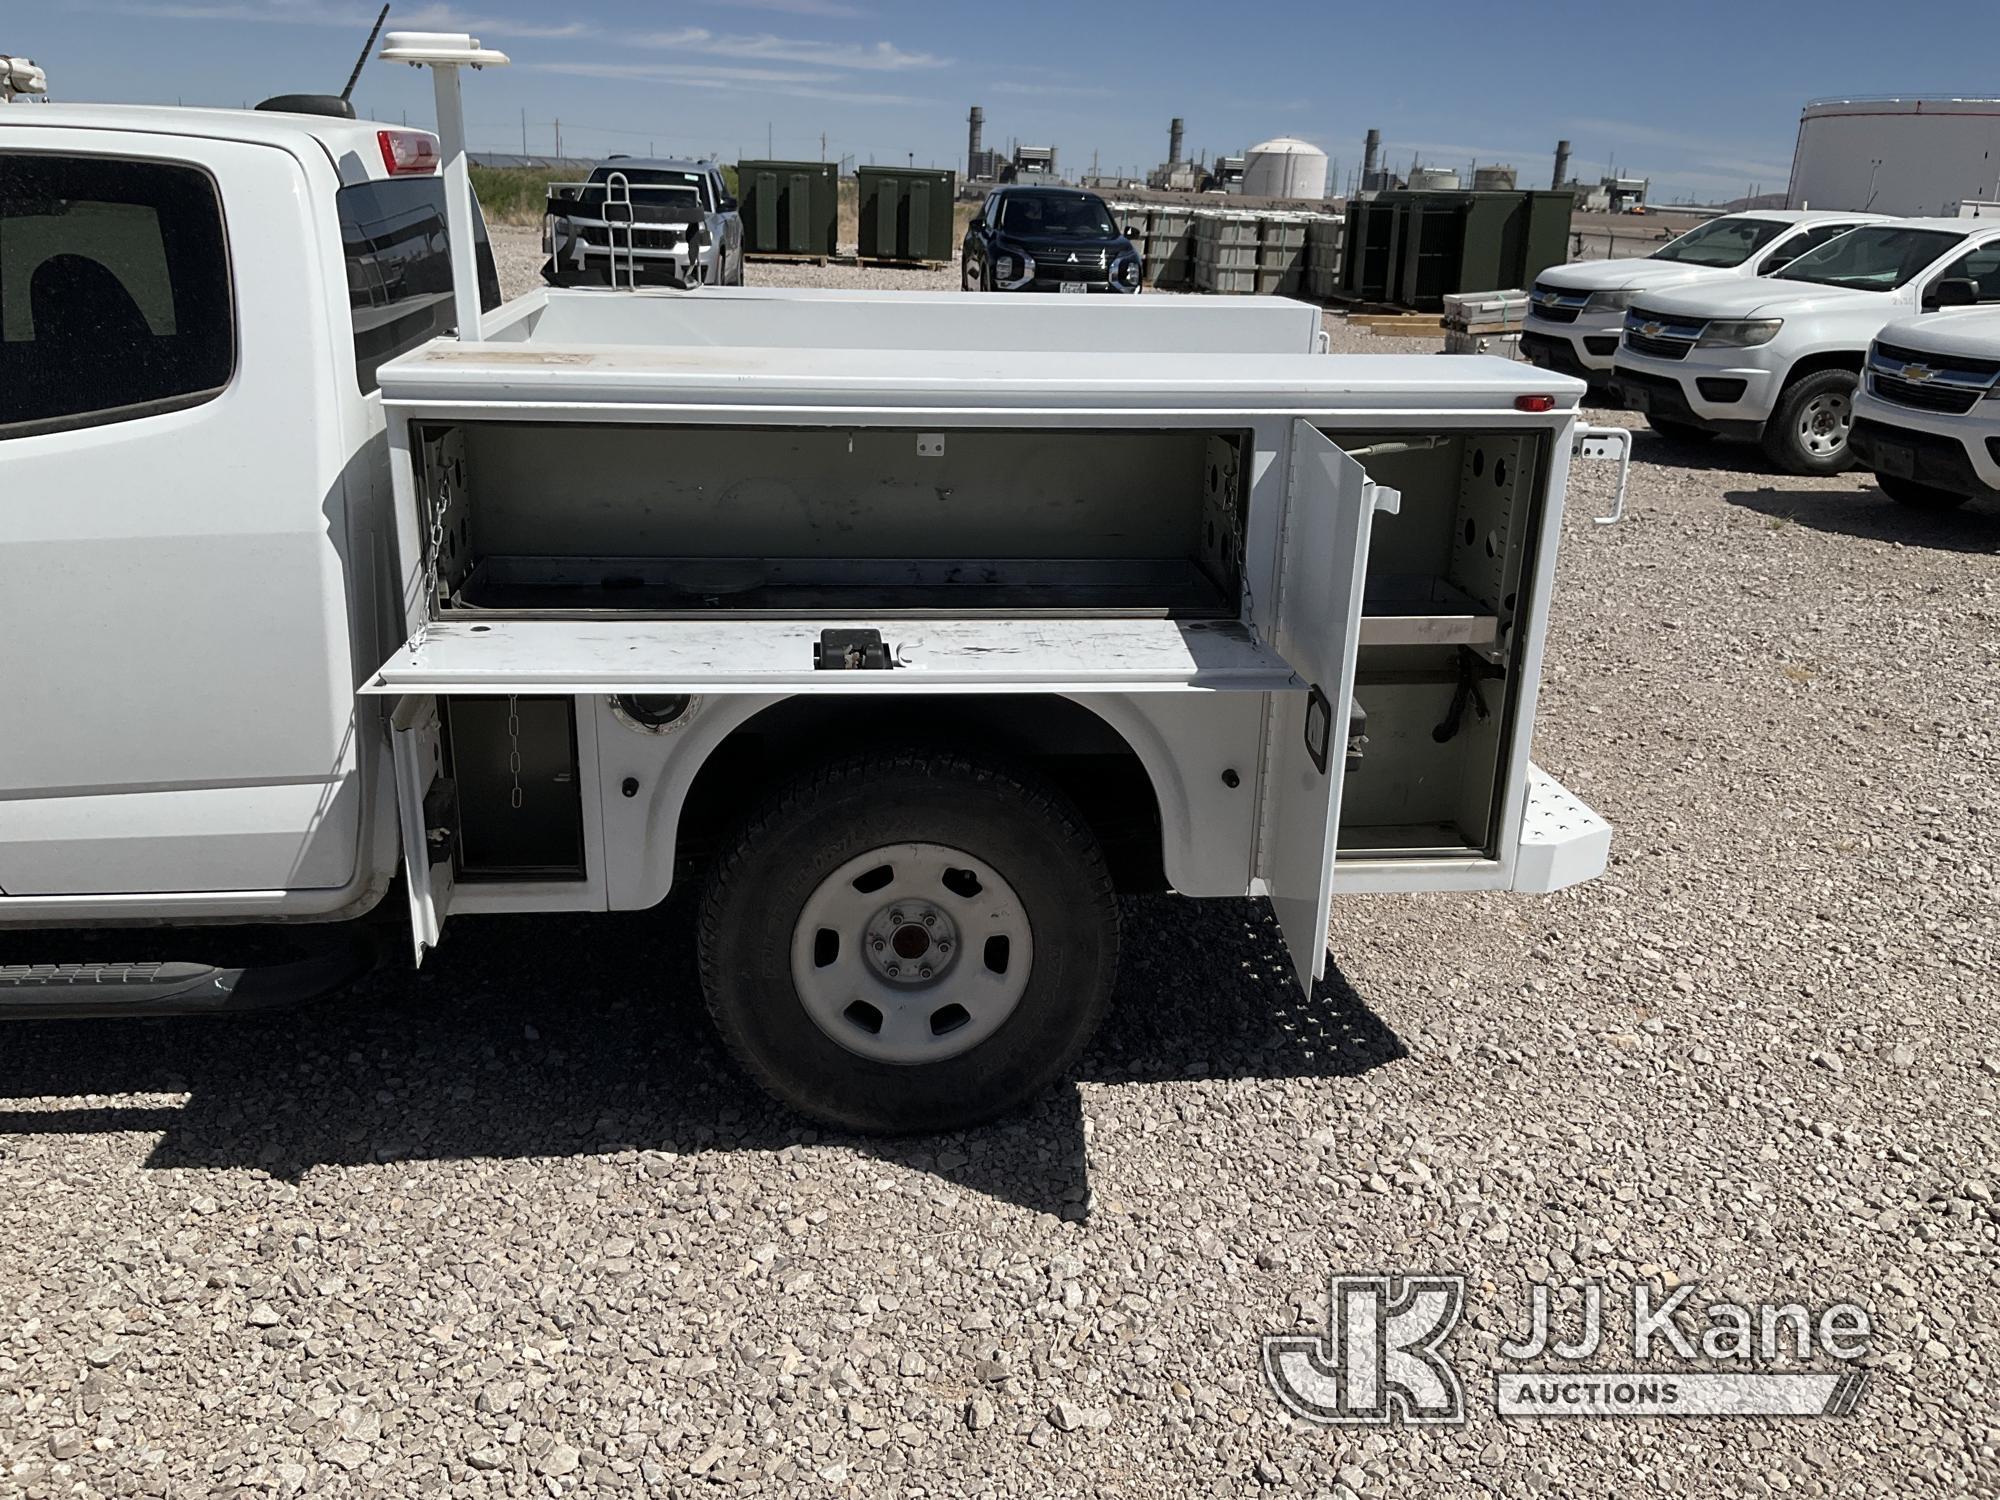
(1047,239)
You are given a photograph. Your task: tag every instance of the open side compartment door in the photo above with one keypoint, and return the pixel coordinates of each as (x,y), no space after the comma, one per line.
(423,803)
(1330,504)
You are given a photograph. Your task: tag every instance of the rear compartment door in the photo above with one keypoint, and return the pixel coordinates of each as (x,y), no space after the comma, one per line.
(423,796)
(1330,505)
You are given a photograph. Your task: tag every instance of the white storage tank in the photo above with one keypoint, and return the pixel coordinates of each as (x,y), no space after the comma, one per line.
(1284,168)
(1433,180)
(1908,154)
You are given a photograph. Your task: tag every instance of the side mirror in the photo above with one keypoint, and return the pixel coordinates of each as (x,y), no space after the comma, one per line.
(1953,291)
(726,204)
(975,222)
(1134,231)
(1776,264)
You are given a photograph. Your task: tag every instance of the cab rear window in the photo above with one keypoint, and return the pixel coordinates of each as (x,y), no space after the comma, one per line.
(114,291)
(398,255)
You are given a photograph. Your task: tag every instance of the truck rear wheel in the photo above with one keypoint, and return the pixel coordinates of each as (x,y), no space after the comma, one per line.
(909,941)
(1807,434)
(1917,496)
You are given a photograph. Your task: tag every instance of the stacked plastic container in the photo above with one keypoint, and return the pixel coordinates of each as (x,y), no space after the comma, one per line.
(1225,251)
(1169,249)
(1281,254)
(1325,238)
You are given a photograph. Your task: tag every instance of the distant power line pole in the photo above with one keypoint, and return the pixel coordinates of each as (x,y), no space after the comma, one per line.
(822,145)
(524,132)
(770,148)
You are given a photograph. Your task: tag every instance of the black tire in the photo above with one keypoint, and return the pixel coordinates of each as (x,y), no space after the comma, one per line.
(1679,432)
(1823,394)
(1918,496)
(790,849)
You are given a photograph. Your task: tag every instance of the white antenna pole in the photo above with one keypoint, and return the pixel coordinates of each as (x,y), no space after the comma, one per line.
(444,53)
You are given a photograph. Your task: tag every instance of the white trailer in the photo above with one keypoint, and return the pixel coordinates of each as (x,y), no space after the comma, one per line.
(928,624)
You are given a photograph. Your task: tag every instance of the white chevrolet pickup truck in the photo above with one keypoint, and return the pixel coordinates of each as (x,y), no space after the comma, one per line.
(922,625)
(1927,416)
(1776,358)
(1576,312)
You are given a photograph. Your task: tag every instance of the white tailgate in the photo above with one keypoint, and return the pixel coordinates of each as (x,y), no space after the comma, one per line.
(757,656)
(1330,503)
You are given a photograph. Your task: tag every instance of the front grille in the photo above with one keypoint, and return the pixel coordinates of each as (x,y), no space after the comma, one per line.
(1063,271)
(1923,395)
(1952,383)
(1555,305)
(1661,348)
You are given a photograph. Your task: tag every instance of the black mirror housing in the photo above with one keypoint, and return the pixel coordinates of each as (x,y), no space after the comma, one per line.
(1953,291)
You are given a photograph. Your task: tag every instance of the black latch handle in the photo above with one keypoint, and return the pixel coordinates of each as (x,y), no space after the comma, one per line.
(851,651)
(1319,726)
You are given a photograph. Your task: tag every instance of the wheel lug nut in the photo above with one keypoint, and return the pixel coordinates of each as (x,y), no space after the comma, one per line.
(880,945)
(924,972)
(896,917)
(894,970)
(930,921)
(944,947)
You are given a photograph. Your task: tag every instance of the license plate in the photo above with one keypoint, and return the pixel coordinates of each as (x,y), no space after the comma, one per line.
(1898,460)
(1074,286)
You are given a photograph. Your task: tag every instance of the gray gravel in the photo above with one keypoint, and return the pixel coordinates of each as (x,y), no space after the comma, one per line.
(510,1226)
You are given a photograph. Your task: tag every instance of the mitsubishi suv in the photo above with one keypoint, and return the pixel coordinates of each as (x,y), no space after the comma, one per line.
(1776,358)
(1575,312)
(1047,239)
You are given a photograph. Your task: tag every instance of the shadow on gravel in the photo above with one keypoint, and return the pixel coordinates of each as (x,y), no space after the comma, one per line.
(1871,515)
(559,1036)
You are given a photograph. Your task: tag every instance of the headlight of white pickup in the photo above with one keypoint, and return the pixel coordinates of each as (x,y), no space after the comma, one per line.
(1610,301)
(1739,333)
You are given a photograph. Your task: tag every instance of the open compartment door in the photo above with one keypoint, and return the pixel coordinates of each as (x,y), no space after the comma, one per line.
(423,797)
(1329,504)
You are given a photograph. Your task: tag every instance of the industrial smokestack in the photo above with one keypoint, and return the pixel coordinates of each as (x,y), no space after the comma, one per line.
(975,124)
(1372,148)
(1174,132)
(1562,164)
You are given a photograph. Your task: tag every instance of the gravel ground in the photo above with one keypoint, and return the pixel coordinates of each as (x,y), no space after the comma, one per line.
(511,1226)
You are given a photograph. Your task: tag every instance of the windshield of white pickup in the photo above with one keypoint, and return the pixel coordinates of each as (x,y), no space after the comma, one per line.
(1721,242)
(1874,258)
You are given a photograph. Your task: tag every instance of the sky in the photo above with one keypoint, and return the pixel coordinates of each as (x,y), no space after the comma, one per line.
(1701,97)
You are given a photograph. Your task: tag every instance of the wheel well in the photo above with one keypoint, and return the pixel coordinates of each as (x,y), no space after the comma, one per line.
(1054,736)
(1829,359)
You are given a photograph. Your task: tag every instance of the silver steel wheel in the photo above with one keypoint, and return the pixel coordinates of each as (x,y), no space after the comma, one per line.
(911,953)
(1823,423)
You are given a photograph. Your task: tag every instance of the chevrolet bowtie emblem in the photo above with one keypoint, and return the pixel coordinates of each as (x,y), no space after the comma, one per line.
(1650,330)
(1552,296)
(1918,372)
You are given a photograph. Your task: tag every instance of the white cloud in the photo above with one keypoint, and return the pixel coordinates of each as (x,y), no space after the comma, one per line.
(831,9)
(746,80)
(882,57)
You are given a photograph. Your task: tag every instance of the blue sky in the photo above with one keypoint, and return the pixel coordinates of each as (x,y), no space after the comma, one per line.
(1702,97)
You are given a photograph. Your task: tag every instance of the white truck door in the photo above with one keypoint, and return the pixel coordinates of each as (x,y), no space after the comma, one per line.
(1330,505)
(177,677)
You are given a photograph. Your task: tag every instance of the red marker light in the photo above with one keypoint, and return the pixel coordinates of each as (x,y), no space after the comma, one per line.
(1534,403)
(408,153)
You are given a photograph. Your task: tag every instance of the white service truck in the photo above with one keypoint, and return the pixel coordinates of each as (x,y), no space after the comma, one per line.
(932,621)
(1577,311)
(1927,416)
(1776,358)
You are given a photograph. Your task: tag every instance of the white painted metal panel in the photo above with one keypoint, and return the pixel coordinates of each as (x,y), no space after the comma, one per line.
(1329,507)
(1563,841)
(760,656)
(419,752)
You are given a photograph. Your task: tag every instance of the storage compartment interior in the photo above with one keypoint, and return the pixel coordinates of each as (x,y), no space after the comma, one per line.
(517,810)
(1438,663)
(674,521)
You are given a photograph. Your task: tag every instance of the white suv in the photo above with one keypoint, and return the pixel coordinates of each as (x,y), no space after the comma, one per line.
(1776,357)
(1575,311)
(1927,416)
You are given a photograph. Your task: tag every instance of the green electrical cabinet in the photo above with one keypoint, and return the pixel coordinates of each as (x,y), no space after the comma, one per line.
(1413,249)
(789,207)
(906,213)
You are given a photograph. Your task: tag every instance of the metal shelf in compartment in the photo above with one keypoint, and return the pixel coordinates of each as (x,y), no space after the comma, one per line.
(1417,609)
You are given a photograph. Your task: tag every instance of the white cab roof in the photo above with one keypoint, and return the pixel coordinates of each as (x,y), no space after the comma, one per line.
(349,144)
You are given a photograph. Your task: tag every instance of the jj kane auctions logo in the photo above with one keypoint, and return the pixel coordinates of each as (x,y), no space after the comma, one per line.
(1382,1357)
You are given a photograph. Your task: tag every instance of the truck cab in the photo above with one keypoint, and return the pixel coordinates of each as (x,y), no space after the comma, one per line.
(1576,311)
(919,629)
(1777,358)
(1927,415)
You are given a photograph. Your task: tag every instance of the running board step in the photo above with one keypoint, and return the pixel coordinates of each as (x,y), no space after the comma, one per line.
(47,992)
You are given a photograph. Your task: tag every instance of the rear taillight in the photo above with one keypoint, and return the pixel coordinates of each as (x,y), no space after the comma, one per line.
(407,153)
(1534,403)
